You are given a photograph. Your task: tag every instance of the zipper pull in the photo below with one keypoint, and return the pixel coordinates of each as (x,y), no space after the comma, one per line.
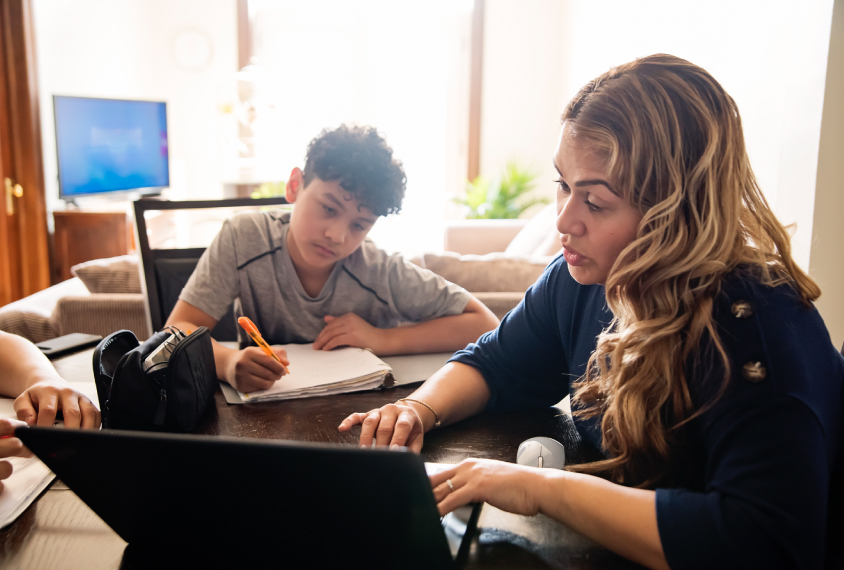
(162,408)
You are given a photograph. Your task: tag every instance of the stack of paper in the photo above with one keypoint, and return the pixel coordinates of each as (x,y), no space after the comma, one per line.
(321,373)
(29,478)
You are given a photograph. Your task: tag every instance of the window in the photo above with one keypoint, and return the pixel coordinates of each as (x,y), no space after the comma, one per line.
(400,66)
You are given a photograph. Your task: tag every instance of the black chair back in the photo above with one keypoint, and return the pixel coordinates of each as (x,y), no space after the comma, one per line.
(165,271)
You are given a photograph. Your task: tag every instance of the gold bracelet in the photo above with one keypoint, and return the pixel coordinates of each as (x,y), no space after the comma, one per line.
(436,416)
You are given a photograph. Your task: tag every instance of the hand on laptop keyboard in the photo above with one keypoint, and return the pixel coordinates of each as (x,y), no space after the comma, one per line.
(503,485)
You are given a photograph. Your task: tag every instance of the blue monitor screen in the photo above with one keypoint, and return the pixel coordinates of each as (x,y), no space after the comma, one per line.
(107,145)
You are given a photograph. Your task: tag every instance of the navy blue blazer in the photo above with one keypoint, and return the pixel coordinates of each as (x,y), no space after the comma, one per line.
(760,482)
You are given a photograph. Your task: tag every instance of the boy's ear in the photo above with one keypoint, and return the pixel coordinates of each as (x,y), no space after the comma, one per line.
(294,185)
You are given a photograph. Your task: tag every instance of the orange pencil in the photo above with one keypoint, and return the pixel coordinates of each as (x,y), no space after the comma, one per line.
(250,327)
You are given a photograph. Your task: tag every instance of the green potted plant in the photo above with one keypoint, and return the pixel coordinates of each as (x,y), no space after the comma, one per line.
(270,190)
(506,198)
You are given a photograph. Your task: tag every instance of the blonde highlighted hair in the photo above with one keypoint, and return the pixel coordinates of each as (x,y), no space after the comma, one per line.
(674,148)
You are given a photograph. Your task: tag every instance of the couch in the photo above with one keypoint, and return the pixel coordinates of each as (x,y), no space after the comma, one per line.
(105,295)
(78,305)
(498,280)
(102,297)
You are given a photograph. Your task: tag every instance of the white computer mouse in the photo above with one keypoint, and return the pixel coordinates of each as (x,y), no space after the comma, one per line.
(541,452)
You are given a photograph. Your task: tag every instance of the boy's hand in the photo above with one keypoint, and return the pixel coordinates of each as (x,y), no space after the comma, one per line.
(40,403)
(253,370)
(350,330)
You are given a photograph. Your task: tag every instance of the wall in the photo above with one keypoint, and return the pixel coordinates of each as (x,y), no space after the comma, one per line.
(540,52)
(826,263)
(125,49)
(523,95)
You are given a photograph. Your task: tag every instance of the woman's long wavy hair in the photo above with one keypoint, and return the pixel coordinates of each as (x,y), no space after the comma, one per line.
(674,148)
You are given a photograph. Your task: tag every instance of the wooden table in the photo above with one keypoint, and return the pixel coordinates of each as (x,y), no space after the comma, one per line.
(60,531)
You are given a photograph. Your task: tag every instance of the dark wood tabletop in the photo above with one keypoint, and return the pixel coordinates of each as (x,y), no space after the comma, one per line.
(60,531)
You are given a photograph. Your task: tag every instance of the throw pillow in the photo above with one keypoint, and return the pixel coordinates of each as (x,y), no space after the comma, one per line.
(111,275)
(539,237)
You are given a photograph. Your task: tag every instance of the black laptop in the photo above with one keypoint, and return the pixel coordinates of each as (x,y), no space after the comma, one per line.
(258,499)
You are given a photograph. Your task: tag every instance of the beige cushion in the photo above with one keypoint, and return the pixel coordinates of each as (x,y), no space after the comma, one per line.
(479,237)
(31,326)
(102,314)
(31,318)
(494,272)
(111,275)
(500,303)
(539,237)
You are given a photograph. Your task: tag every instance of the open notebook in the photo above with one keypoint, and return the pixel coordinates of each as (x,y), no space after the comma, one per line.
(322,373)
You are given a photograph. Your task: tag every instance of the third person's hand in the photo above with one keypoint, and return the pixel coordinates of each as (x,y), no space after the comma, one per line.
(39,404)
(9,446)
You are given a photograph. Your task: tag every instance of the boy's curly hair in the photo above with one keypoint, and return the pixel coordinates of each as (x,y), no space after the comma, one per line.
(359,158)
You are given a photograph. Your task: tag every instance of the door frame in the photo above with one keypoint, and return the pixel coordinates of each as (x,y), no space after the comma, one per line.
(25,261)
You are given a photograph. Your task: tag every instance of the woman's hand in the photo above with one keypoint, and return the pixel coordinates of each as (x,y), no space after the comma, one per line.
(455,391)
(39,404)
(351,330)
(9,446)
(396,424)
(250,369)
(509,487)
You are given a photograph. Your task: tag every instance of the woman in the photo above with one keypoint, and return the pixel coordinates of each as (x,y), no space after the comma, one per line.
(684,331)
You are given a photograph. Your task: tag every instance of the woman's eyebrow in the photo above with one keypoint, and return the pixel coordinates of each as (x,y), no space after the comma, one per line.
(590,182)
(594,182)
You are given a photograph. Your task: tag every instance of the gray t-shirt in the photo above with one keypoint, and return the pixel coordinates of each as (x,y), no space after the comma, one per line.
(248,263)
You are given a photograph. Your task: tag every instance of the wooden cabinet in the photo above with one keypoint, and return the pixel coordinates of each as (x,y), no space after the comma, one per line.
(82,236)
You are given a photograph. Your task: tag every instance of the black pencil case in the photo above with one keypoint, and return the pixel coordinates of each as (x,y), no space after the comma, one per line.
(169,397)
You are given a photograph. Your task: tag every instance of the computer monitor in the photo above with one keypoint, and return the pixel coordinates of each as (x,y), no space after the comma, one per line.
(110,145)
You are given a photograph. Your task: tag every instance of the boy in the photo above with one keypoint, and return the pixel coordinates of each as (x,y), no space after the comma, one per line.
(310,275)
